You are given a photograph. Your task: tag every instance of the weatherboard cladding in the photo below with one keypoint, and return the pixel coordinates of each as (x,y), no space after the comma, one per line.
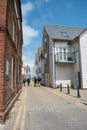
(63,32)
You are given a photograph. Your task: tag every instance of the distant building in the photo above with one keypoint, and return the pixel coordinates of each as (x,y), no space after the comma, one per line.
(37,67)
(26,71)
(64,51)
(10,52)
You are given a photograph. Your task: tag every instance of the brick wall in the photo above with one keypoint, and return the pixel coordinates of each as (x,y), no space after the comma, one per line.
(2,64)
(9,49)
(3,7)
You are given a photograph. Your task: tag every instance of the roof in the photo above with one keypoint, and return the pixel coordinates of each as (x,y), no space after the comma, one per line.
(63,32)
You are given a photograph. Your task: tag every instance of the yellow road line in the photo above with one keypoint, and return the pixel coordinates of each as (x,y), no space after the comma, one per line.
(23,119)
(17,119)
(24,114)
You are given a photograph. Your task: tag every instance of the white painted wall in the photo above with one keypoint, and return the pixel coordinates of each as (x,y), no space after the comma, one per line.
(83,52)
(63,71)
(64,74)
(61,44)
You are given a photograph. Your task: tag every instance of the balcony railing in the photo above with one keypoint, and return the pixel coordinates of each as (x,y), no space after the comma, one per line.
(65,57)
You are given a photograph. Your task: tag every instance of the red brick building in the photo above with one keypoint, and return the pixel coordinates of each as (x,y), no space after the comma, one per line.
(10,52)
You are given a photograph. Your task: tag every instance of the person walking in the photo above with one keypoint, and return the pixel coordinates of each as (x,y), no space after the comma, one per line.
(35,81)
(39,81)
(24,81)
(28,81)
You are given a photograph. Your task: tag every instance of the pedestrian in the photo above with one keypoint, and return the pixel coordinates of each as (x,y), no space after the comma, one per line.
(28,81)
(39,81)
(35,81)
(24,81)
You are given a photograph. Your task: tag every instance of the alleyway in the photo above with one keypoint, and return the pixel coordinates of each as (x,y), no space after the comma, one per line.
(38,108)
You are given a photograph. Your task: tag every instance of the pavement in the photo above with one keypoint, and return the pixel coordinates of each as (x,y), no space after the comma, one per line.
(73,92)
(44,108)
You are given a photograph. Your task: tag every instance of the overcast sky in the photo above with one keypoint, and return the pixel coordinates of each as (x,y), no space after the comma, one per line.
(36,13)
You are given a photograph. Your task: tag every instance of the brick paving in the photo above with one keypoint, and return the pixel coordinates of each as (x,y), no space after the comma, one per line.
(73,93)
(72,96)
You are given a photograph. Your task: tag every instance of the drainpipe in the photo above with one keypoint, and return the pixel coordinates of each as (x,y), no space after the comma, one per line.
(80,65)
(55,64)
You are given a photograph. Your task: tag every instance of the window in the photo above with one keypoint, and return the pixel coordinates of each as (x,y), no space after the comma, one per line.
(44,46)
(39,58)
(13,31)
(12,72)
(15,5)
(65,34)
(16,70)
(56,49)
(16,11)
(7,67)
(19,24)
(36,71)
(62,54)
(16,41)
(75,48)
(39,69)
(45,39)
(45,55)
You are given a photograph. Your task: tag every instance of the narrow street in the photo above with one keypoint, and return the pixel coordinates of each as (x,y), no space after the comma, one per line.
(37,108)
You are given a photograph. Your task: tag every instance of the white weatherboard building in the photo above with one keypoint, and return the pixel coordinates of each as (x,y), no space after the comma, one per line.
(67,55)
(37,66)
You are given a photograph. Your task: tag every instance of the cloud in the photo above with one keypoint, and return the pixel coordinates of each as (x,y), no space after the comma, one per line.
(29,33)
(69,5)
(27,60)
(39,3)
(47,1)
(26,8)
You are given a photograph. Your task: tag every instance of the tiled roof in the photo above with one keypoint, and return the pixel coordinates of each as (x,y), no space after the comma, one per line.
(63,32)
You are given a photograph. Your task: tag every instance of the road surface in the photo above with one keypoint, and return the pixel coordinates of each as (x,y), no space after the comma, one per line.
(38,108)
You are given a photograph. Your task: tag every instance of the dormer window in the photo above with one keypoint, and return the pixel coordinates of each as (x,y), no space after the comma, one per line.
(65,34)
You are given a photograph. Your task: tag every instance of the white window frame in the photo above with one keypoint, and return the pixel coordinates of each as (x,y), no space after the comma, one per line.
(12,72)
(62,53)
(7,67)
(15,6)
(16,10)
(13,30)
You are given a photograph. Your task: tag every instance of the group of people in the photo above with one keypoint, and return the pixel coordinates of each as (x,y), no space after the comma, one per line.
(26,80)
(37,81)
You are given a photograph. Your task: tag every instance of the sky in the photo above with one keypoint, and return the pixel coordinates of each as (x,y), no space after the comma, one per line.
(36,13)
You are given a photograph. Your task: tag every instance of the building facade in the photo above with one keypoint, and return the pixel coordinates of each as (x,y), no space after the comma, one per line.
(64,52)
(37,67)
(11,41)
